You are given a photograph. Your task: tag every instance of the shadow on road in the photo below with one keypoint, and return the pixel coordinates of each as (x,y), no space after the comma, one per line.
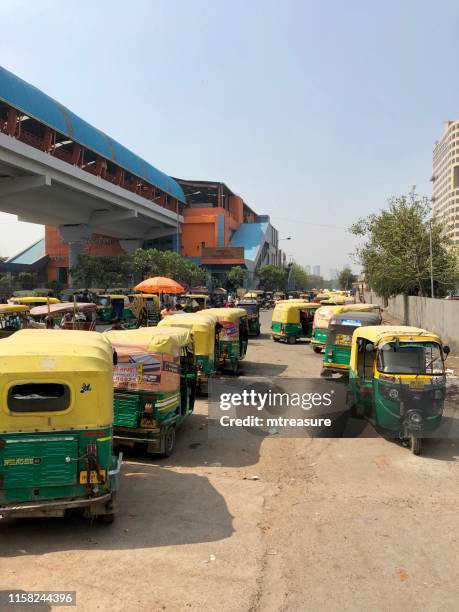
(156,507)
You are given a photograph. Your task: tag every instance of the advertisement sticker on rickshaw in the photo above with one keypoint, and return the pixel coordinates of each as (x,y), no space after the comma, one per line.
(137,368)
(344,339)
(230,330)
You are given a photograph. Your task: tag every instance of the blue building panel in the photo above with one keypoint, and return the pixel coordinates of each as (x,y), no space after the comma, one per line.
(221,230)
(30,255)
(35,103)
(251,236)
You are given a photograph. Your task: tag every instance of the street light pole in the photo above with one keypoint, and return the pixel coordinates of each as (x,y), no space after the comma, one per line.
(431,261)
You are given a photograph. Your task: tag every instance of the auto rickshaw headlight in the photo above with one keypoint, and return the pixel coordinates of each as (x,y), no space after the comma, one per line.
(393,394)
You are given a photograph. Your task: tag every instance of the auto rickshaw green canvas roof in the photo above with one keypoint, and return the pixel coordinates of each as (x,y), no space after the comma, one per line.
(377,333)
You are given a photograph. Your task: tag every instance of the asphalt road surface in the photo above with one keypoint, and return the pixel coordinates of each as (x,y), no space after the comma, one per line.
(247,523)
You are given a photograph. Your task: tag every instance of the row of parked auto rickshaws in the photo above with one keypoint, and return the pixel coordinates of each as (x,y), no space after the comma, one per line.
(68,397)
(395,374)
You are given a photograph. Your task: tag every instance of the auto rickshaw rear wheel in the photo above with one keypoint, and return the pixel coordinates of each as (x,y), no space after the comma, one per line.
(416,445)
(317,349)
(291,340)
(169,442)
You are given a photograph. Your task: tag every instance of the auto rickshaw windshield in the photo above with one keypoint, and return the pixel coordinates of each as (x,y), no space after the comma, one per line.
(397,357)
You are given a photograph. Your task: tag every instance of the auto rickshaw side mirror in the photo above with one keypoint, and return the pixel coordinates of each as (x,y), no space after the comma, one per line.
(446,350)
(370,347)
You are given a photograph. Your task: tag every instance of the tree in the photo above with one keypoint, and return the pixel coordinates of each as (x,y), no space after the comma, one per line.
(28,280)
(272,277)
(395,256)
(103,272)
(346,278)
(153,262)
(298,277)
(235,278)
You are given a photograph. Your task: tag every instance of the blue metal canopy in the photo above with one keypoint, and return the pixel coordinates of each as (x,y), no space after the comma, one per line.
(34,103)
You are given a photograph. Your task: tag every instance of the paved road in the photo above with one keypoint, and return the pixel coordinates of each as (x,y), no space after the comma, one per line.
(242,524)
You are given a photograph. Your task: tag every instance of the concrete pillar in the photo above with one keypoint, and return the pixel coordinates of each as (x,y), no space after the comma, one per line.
(76,237)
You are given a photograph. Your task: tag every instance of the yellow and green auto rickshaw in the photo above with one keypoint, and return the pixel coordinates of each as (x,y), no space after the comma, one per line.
(337,351)
(233,337)
(397,380)
(252,309)
(194,302)
(56,424)
(322,318)
(155,385)
(292,320)
(205,329)
(145,308)
(115,307)
(13,317)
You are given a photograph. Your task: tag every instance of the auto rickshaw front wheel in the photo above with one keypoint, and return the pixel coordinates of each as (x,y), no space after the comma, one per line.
(317,349)
(291,340)
(109,516)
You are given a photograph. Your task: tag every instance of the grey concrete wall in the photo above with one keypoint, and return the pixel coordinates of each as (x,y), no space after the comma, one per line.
(439,316)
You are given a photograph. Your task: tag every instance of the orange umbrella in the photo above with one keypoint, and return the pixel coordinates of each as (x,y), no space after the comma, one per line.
(160,284)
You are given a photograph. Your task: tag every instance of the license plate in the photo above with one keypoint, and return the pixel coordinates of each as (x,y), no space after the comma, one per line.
(417,384)
(147,422)
(93,478)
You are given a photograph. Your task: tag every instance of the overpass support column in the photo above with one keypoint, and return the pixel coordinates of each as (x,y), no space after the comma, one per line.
(76,237)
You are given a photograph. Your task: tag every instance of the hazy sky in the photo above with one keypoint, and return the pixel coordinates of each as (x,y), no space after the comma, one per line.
(314,112)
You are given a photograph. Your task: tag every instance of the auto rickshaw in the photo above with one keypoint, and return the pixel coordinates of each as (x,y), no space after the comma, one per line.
(13,317)
(115,306)
(337,351)
(322,319)
(194,302)
(33,300)
(145,308)
(397,380)
(292,320)
(67,315)
(253,315)
(155,385)
(233,336)
(56,424)
(205,329)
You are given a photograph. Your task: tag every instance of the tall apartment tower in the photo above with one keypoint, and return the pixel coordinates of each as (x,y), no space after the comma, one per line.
(445,179)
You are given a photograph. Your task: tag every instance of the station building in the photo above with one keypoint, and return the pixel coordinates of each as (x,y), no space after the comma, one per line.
(137,205)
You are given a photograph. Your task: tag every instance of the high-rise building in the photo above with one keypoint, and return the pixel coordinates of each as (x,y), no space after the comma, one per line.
(445,179)
(316,270)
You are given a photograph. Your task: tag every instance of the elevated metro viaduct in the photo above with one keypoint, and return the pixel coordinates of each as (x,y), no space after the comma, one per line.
(57,170)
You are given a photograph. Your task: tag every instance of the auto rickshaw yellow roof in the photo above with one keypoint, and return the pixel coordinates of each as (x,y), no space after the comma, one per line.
(377,333)
(200,296)
(297,304)
(157,340)
(33,299)
(12,308)
(151,296)
(113,296)
(227,314)
(202,326)
(52,343)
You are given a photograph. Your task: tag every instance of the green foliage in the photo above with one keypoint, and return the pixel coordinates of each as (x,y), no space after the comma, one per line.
(235,278)
(346,278)
(272,278)
(153,262)
(298,277)
(126,270)
(395,256)
(27,280)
